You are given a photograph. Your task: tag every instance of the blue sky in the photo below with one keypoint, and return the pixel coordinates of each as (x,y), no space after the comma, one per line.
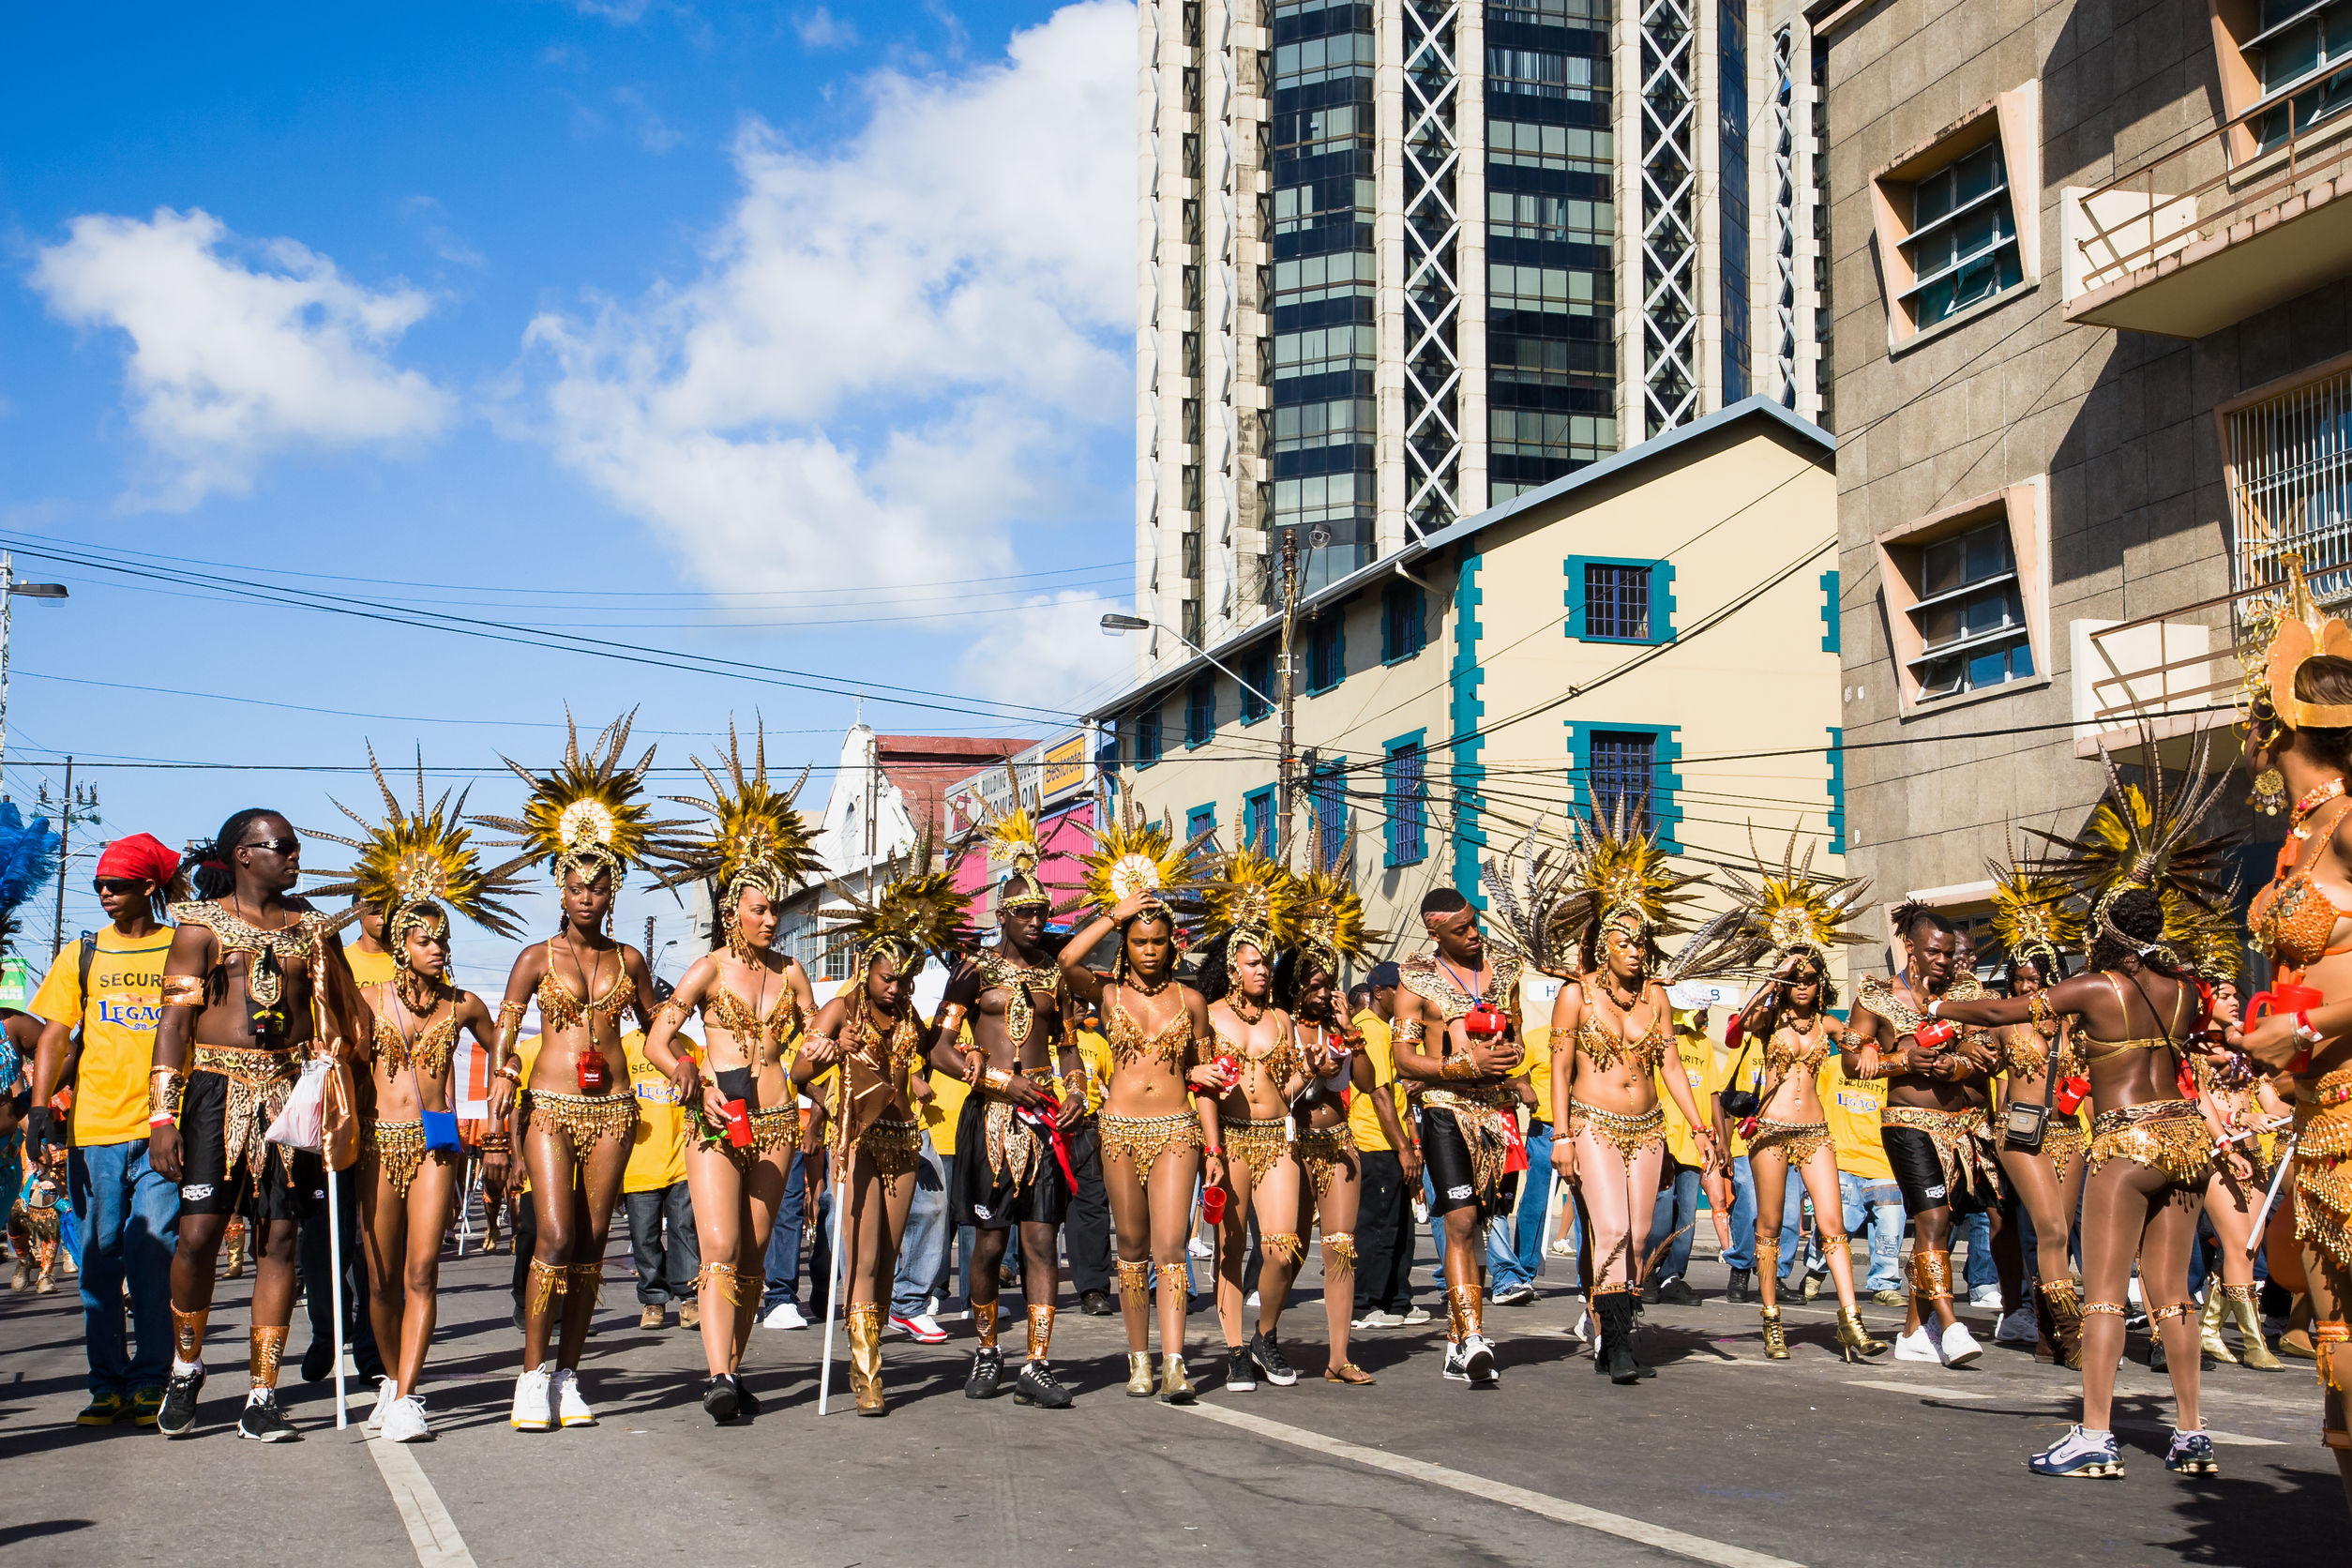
(786,335)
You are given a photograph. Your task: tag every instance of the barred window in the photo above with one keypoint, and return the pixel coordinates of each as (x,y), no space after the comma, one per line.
(1407,806)
(1616,602)
(1623,770)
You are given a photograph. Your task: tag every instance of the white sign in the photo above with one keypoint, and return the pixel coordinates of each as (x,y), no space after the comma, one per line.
(1693,994)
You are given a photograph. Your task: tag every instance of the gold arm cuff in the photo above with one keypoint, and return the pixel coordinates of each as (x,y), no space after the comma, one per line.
(1459,1068)
(1408,1031)
(183,990)
(671,1013)
(167,1089)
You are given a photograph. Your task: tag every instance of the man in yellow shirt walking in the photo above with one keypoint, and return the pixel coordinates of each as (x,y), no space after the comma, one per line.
(1866,1181)
(662,1242)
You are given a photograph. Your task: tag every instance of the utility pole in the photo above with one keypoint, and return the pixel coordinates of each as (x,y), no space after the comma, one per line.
(1286,691)
(73,808)
(9,589)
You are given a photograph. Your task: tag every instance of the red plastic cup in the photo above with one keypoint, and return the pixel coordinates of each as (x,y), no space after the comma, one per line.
(1213,1205)
(2283,999)
(2071,1093)
(1935,1033)
(1229,1068)
(1483,1024)
(738,1118)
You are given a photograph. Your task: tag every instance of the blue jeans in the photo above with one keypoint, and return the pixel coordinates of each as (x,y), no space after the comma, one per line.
(1515,1247)
(1676,1210)
(131,1224)
(1742,1252)
(783,1259)
(922,1251)
(1878,1206)
(1980,1269)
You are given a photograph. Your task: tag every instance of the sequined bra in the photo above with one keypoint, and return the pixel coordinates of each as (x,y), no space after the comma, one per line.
(1129,1045)
(1790,1052)
(429,1054)
(1606,1044)
(722,1008)
(2290,920)
(561,1009)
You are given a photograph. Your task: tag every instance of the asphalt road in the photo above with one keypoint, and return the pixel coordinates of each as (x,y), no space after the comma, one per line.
(1751,1462)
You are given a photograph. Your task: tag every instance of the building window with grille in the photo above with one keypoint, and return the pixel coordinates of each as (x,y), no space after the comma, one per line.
(1257,819)
(1199,822)
(1406,801)
(1257,679)
(1624,768)
(1619,601)
(1200,711)
(1403,628)
(1146,738)
(1327,795)
(1326,654)
(1971,614)
(1953,230)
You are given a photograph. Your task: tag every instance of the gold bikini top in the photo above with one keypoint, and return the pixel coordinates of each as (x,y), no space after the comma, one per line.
(889,1059)
(2290,919)
(1129,1045)
(430,1052)
(560,1008)
(1607,1046)
(1790,1053)
(1278,1059)
(723,1008)
(2026,1050)
(2096,1049)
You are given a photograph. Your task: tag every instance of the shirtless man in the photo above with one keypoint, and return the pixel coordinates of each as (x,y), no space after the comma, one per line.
(1026,1076)
(253,984)
(1934,1125)
(1468,1106)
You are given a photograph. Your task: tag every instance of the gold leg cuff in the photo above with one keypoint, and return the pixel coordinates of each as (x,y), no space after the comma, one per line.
(1286,1245)
(1339,1252)
(1040,1332)
(984,1321)
(547,1283)
(268,1345)
(720,1277)
(1464,1311)
(188,1332)
(1176,1277)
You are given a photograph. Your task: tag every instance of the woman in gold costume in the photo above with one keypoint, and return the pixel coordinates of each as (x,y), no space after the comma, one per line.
(2136,1012)
(412,870)
(752,1000)
(2033,921)
(1592,920)
(1154,1132)
(1798,920)
(588,819)
(869,1038)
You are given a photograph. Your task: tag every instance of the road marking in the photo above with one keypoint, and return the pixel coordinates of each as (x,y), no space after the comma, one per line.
(431,1533)
(1936,1391)
(1696,1547)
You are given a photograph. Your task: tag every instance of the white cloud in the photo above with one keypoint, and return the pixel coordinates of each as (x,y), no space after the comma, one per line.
(1052,655)
(238,350)
(653,133)
(822,29)
(891,347)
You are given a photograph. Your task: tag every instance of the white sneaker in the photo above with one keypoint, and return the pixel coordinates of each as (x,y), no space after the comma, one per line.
(1918,1344)
(1478,1361)
(1378,1318)
(2021,1327)
(405,1421)
(1560,1248)
(785,1314)
(1959,1346)
(1986,1295)
(1582,1332)
(1199,1248)
(570,1409)
(1416,1314)
(385,1393)
(533,1411)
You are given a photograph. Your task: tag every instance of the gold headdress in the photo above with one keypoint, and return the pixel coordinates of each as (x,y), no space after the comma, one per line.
(2146,840)
(1540,908)
(918,912)
(2209,940)
(755,839)
(1132,856)
(1625,883)
(2031,914)
(589,815)
(1330,912)
(1788,909)
(1252,900)
(1012,836)
(415,858)
(2295,631)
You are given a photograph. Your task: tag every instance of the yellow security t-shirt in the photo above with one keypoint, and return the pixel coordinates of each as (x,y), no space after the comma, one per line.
(938,1112)
(1852,1106)
(1696,1053)
(657,1148)
(118,1020)
(1380,1051)
(1535,1065)
(1094,1051)
(369,968)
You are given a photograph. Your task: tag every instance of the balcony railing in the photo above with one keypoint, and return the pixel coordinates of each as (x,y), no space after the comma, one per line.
(2216,228)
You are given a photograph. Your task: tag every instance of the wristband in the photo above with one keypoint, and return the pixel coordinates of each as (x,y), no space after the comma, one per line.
(1216,1154)
(1935,1007)
(2304,1032)
(996,1079)
(155,1121)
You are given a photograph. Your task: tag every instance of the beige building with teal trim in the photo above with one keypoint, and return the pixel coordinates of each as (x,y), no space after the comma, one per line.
(1659,626)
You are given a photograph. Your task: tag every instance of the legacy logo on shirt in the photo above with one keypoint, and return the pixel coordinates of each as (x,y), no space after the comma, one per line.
(140,1017)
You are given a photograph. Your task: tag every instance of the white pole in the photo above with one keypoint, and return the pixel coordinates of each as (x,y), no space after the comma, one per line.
(840,1211)
(8,580)
(335,1286)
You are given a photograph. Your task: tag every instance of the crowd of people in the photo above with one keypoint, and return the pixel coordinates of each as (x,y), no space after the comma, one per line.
(2102,1124)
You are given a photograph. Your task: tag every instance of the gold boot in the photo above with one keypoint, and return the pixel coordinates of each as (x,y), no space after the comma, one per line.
(1174,1386)
(2239,1306)
(2209,1328)
(1853,1339)
(1139,1383)
(865,1326)
(1775,1342)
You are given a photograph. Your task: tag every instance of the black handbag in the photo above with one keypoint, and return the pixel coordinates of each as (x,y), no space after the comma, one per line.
(1740,1104)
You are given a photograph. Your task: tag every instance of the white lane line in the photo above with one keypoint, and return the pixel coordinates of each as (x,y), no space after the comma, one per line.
(1696,1547)
(430,1531)
(1935,1391)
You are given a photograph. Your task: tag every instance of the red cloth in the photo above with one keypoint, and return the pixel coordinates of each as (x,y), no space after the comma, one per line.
(141,857)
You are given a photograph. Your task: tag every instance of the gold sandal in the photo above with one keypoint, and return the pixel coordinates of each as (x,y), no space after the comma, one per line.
(1347,1372)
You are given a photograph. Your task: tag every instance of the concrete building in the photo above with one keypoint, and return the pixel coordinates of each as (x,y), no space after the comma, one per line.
(1402,261)
(2093,382)
(1657,626)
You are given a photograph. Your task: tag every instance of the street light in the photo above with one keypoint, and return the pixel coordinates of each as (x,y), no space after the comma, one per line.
(10,591)
(1115,624)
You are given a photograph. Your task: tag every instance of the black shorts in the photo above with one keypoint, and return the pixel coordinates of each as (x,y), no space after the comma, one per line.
(268,1184)
(1920,1172)
(988,1201)
(1453,1175)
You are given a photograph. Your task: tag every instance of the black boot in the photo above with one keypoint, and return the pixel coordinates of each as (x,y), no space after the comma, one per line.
(1618,1338)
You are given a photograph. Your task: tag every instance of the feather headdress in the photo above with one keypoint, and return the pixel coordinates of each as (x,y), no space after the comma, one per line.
(1132,856)
(755,837)
(2210,942)
(419,856)
(1538,905)
(28,857)
(2149,839)
(589,815)
(917,912)
(1252,900)
(1330,921)
(2031,914)
(1787,907)
(1011,836)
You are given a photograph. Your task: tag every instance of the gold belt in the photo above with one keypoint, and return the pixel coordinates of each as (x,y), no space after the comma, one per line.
(1798,1141)
(1629,1135)
(1963,1148)
(1143,1139)
(896,1147)
(399,1147)
(1323,1151)
(259,1080)
(1260,1144)
(584,1121)
(2168,1135)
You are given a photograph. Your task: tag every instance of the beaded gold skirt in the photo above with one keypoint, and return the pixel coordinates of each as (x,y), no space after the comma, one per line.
(2167,1136)
(1964,1147)
(1259,1145)
(399,1148)
(1324,1152)
(1798,1141)
(1628,1134)
(2064,1138)
(1140,1141)
(584,1121)
(895,1146)
(771,1130)
(2322,1168)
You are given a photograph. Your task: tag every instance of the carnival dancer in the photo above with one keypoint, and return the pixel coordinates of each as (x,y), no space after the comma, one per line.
(2299,750)
(1250,908)
(2045,1084)
(2241,1110)
(414,868)
(1331,932)
(2151,1150)
(741,1113)
(589,821)
(1011,1166)
(254,984)
(1611,897)
(1155,1135)
(1934,1124)
(1797,920)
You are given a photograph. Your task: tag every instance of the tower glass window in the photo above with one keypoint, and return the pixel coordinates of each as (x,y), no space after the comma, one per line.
(1963,240)
(1971,614)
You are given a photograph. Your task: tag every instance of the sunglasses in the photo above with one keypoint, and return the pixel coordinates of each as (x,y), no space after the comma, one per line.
(276,845)
(120,884)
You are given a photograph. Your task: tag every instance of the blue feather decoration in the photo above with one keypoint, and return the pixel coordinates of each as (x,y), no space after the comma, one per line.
(28,858)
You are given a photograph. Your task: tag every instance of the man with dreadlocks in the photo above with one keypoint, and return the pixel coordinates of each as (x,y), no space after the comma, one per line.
(1028,1083)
